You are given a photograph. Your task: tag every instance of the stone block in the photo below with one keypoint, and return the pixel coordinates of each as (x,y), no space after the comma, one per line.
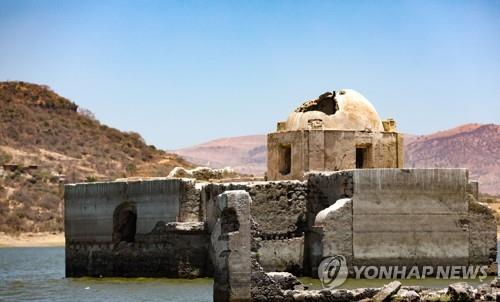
(231,244)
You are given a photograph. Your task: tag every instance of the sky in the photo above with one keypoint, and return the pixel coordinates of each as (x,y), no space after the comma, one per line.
(185,72)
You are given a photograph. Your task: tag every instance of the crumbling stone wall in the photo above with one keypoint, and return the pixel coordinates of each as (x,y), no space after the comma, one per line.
(482,234)
(190,206)
(202,173)
(325,188)
(279,208)
(279,212)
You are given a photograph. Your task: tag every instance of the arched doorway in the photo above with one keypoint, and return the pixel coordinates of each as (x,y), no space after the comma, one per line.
(124,222)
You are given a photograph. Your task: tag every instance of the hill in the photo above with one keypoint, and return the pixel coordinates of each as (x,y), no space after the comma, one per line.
(472,146)
(45,141)
(245,154)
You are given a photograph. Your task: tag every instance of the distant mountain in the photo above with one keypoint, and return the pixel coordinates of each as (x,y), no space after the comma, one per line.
(245,154)
(472,146)
(45,141)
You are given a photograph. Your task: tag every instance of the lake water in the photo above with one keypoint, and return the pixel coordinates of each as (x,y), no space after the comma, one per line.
(37,274)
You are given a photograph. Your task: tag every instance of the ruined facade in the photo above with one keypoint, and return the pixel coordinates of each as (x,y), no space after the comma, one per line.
(162,227)
(376,214)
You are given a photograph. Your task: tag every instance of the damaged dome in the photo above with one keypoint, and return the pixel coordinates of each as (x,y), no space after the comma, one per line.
(345,109)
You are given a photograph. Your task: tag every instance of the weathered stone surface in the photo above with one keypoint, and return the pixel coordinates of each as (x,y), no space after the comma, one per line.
(282,255)
(336,225)
(151,255)
(404,295)
(321,136)
(231,244)
(495,282)
(387,291)
(202,173)
(285,280)
(263,286)
(189,206)
(278,208)
(279,215)
(185,226)
(92,213)
(483,233)
(461,292)
(340,295)
(364,293)
(331,150)
(418,217)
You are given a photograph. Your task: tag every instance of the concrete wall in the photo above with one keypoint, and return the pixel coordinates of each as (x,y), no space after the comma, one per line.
(282,255)
(413,216)
(89,207)
(167,243)
(399,217)
(332,150)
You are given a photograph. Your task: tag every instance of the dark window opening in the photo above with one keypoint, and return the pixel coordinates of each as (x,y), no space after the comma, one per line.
(124,223)
(285,159)
(229,221)
(360,158)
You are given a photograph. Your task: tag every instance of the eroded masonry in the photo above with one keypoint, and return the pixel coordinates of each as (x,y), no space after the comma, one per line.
(335,186)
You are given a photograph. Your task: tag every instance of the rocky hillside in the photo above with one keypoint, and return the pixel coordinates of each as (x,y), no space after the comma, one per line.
(472,146)
(46,141)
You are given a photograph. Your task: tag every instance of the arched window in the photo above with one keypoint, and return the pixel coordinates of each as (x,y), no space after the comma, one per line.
(124,222)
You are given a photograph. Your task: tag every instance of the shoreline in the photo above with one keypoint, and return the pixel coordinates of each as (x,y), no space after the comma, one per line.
(44,239)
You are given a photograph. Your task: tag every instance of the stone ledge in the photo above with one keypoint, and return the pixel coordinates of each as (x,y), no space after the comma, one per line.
(185,227)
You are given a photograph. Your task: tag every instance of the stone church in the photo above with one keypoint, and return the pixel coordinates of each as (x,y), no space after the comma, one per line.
(335,185)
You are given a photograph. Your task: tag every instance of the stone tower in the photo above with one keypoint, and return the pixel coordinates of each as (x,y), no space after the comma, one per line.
(339,130)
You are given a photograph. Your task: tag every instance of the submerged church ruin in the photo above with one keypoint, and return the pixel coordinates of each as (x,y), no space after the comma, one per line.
(338,131)
(335,185)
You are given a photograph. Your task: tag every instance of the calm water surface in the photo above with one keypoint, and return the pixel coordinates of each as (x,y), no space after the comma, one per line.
(37,274)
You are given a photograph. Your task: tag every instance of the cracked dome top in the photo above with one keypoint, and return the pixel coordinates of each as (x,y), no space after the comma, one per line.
(345,109)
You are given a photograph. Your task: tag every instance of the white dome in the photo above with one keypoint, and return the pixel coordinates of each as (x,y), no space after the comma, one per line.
(346,109)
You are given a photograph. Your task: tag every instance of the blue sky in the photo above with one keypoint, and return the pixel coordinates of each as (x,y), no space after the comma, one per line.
(184,72)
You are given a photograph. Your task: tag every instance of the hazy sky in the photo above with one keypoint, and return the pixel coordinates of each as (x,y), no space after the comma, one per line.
(184,72)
